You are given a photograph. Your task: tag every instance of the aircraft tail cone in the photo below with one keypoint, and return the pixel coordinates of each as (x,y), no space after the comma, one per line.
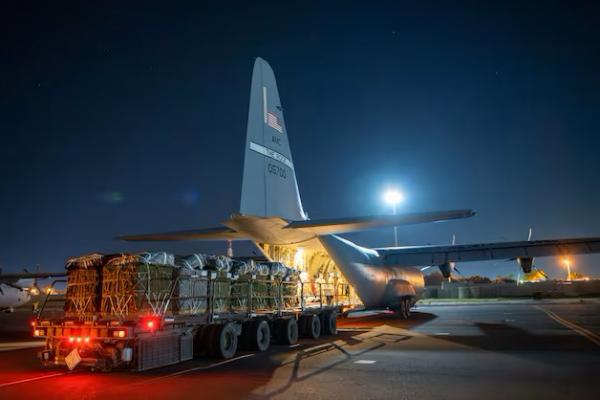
(354,262)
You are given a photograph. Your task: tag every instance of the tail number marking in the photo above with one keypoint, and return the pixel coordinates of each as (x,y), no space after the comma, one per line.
(278,171)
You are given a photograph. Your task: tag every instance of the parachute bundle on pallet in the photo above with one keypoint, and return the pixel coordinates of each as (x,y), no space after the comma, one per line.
(127,286)
(259,290)
(131,284)
(83,286)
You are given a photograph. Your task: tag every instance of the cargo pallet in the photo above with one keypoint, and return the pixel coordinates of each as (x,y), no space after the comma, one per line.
(231,314)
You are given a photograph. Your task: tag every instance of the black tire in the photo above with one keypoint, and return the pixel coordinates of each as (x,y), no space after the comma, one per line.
(224,341)
(329,323)
(310,326)
(405,308)
(260,335)
(287,331)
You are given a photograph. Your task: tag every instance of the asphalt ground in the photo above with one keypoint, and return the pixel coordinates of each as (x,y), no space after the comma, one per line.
(522,350)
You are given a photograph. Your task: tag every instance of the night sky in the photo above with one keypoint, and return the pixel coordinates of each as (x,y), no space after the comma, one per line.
(131,119)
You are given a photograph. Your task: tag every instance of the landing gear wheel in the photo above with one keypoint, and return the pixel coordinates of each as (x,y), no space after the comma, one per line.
(405,307)
(329,323)
(224,341)
(287,331)
(260,335)
(310,326)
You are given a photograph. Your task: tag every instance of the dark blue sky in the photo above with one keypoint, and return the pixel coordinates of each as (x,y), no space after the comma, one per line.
(131,118)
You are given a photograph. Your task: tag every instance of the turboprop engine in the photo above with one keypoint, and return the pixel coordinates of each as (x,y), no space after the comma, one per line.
(526,263)
(447,268)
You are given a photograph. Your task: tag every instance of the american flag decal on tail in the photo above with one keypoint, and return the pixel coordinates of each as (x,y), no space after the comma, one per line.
(273,122)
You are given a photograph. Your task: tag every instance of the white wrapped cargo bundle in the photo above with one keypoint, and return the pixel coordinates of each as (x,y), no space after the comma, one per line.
(194,261)
(263,269)
(240,267)
(277,269)
(159,258)
(218,263)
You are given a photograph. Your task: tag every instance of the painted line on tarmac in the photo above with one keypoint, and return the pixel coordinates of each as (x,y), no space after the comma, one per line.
(10,346)
(592,337)
(37,378)
(354,329)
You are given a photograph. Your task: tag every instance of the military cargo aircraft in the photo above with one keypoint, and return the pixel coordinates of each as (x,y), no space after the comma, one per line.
(271,215)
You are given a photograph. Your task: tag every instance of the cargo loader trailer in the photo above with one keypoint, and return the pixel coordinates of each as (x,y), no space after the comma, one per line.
(125,319)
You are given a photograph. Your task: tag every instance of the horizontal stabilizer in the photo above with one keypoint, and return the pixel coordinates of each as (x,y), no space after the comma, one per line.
(216,233)
(341,225)
(437,255)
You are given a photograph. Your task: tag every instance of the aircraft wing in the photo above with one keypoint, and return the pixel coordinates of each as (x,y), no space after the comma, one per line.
(437,255)
(341,225)
(30,275)
(216,233)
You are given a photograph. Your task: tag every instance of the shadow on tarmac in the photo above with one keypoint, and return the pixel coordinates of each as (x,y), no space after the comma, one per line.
(508,338)
(385,318)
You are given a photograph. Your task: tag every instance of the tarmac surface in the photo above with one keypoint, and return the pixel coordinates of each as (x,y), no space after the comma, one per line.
(519,350)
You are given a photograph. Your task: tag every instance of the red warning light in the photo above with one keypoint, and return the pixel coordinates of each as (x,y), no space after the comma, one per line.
(150,323)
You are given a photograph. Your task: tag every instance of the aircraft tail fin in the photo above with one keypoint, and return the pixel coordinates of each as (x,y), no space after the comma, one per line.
(269,186)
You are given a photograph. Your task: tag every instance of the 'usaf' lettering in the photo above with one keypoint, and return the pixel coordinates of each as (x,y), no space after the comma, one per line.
(275,170)
(276,140)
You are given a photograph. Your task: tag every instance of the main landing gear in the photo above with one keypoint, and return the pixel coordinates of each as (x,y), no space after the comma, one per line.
(405,305)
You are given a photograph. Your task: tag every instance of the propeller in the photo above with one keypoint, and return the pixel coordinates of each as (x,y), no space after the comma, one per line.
(35,281)
(447,268)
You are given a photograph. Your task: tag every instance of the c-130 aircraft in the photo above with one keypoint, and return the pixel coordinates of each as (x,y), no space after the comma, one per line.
(271,215)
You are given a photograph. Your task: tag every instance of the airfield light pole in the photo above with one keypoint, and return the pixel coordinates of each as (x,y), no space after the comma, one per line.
(568,265)
(393,197)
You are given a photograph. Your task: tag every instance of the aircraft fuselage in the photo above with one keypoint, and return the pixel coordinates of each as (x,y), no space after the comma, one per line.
(11,297)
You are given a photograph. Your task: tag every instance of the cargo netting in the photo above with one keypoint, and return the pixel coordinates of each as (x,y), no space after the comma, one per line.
(126,286)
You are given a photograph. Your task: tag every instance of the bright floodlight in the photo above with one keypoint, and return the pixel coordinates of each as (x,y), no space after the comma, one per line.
(393,197)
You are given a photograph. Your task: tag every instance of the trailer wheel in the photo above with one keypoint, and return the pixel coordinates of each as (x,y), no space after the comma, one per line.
(260,335)
(310,326)
(329,323)
(287,331)
(225,341)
